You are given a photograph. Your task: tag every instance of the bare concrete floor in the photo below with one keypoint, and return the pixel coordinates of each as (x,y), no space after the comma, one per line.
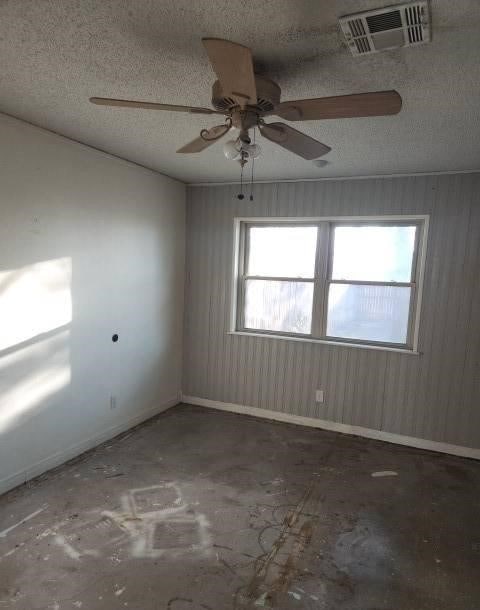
(199,509)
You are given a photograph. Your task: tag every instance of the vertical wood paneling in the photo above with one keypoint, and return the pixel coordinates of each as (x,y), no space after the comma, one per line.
(434,395)
(468,384)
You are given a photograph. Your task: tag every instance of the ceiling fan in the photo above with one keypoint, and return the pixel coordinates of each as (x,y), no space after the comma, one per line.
(245,99)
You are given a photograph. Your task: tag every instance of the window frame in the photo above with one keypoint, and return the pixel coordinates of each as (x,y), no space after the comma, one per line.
(323,277)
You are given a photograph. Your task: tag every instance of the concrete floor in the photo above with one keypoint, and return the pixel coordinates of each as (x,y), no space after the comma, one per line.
(198,509)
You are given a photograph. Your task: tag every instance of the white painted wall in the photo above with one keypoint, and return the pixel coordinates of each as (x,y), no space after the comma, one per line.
(89,246)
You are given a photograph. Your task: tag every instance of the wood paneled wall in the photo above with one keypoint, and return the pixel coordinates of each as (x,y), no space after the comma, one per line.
(435,395)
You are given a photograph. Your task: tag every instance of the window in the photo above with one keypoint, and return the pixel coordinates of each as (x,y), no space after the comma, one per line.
(331,279)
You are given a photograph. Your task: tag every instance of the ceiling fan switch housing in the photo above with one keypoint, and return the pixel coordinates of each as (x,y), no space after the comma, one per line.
(268,95)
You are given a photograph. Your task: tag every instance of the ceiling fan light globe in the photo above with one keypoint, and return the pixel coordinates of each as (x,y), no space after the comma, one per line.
(253,150)
(231,149)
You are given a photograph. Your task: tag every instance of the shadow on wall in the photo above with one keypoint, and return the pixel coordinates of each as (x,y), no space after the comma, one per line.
(36,315)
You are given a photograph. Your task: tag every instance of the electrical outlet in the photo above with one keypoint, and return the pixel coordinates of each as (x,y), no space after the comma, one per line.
(319,396)
(113,402)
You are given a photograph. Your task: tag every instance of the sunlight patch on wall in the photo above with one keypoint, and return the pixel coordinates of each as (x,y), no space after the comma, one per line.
(34,299)
(30,376)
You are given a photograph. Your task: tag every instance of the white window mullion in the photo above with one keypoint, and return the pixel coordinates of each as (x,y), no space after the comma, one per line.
(320,290)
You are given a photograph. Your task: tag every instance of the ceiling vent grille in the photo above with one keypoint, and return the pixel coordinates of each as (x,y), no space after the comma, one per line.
(403,25)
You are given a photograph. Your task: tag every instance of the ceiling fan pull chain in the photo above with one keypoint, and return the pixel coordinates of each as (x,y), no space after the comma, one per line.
(253,168)
(241,195)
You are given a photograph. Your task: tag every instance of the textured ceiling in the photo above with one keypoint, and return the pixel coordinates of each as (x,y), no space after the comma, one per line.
(55,54)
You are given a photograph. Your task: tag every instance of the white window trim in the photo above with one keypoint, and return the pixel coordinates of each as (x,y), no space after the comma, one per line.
(421,257)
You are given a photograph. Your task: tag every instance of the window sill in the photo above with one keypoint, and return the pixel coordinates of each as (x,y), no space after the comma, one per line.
(383,348)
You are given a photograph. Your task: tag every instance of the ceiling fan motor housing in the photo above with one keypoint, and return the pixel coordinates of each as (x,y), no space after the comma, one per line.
(268,96)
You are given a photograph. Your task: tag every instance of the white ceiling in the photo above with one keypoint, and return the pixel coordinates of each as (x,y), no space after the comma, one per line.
(55,54)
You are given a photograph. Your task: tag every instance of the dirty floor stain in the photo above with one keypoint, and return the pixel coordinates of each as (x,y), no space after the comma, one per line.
(197,509)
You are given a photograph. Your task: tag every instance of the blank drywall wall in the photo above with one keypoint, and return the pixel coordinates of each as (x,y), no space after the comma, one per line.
(434,396)
(90,246)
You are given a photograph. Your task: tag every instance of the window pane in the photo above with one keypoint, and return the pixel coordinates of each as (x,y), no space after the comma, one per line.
(381,254)
(282,306)
(282,251)
(372,313)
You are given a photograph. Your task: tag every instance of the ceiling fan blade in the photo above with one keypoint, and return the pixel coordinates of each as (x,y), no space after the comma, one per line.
(104,101)
(293,140)
(206,139)
(233,66)
(377,103)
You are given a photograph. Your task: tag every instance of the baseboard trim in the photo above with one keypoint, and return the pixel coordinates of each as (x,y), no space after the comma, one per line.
(389,437)
(62,456)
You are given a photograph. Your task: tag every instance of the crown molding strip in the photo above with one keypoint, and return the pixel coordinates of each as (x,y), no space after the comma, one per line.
(341,178)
